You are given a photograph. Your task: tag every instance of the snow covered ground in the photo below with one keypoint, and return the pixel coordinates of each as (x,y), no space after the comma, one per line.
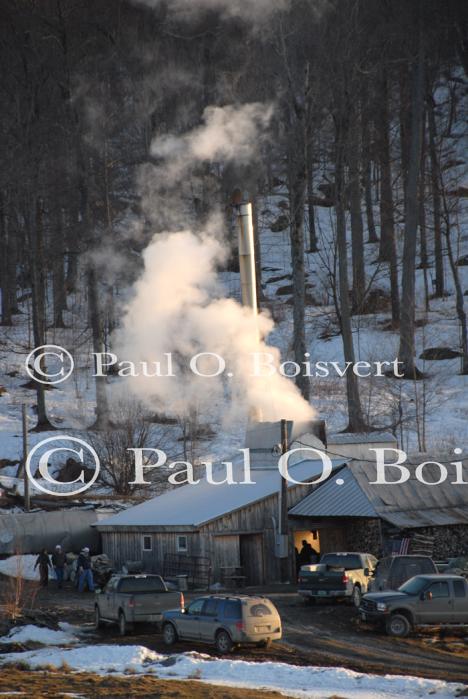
(44,636)
(296,681)
(20,566)
(444,393)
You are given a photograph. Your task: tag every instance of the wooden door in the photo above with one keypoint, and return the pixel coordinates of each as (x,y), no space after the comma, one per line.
(225,555)
(251,558)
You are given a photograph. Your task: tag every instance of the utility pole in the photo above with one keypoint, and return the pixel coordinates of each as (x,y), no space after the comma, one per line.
(283,523)
(25,456)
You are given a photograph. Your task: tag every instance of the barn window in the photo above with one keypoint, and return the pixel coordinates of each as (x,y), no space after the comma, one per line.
(182,546)
(147,543)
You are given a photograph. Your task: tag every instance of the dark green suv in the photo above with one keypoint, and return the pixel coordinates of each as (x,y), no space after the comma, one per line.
(424,600)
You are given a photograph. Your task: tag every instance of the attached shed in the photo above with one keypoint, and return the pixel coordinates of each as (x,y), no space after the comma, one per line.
(230,525)
(352,513)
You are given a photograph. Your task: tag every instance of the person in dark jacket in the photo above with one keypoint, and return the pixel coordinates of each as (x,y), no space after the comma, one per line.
(59,562)
(308,554)
(43,561)
(85,574)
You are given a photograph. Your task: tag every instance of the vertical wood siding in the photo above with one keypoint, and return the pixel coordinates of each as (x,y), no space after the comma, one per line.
(219,539)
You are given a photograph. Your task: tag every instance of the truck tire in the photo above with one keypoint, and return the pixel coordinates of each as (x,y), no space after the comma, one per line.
(357,596)
(123,626)
(398,626)
(223,643)
(169,634)
(97,618)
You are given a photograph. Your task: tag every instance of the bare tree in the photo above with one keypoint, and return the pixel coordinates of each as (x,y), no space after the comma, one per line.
(406,350)
(128,428)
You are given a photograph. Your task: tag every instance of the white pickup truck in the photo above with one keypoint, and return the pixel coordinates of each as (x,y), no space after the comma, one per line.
(129,599)
(337,575)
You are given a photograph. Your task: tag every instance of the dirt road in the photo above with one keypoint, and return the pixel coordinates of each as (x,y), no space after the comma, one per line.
(333,635)
(325,635)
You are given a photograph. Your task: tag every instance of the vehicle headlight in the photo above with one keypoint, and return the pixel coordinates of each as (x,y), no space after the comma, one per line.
(381,607)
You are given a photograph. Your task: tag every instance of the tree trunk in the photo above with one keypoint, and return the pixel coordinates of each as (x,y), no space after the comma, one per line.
(357,229)
(38,296)
(460,299)
(7,285)
(386,195)
(405,124)
(355,418)
(313,247)
(439,290)
(58,276)
(297,191)
(372,236)
(424,263)
(102,407)
(387,248)
(407,350)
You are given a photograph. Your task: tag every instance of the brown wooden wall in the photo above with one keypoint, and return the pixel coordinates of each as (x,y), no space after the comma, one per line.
(128,546)
(220,540)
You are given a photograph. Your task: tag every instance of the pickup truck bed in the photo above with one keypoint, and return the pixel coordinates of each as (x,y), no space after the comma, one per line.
(130,599)
(338,576)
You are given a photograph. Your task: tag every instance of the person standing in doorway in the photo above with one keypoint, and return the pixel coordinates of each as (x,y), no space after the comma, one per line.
(308,554)
(85,574)
(43,561)
(59,562)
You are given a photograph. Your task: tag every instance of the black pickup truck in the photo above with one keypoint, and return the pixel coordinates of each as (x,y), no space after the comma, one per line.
(425,600)
(337,576)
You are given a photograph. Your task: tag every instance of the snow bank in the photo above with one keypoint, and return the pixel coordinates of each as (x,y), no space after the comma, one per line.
(301,682)
(36,634)
(99,658)
(20,566)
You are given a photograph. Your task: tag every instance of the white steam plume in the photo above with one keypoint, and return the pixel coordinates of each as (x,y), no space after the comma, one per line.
(173,311)
(177,306)
(227,133)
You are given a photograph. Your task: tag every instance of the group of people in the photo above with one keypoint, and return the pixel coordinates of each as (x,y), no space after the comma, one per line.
(58,561)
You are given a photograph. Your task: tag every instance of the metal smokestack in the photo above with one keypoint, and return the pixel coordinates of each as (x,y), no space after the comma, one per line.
(247,256)
(247,269)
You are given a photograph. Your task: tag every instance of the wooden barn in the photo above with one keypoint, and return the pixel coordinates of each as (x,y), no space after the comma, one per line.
(220,533)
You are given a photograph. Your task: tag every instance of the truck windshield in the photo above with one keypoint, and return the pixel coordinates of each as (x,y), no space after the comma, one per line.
(141,585)
(339,561)
(413,586)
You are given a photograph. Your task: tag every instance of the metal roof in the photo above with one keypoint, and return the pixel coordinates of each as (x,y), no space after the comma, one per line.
(361,438)
(412,503)
(339,496)
(194,505)
(407,505)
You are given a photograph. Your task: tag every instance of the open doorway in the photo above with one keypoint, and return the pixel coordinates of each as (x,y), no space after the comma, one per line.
(307,547)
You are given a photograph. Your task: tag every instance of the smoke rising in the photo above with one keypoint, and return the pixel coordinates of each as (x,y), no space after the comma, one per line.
(173,311)
(229,133)
(177,306)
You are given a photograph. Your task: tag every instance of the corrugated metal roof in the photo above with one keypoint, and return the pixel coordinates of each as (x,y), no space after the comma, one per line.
(339,496)
(412,503)
(361,438)
(428,518)
(407,505)
(194,505)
